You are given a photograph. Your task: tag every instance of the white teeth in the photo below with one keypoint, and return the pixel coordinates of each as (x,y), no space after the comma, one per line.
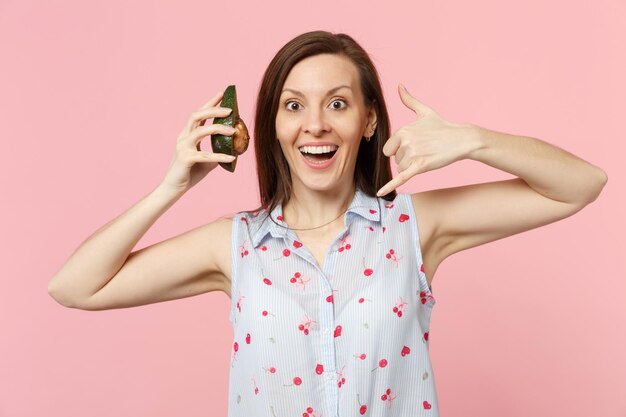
(318,149)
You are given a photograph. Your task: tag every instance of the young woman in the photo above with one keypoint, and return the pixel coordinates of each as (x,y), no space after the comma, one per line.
(330,279)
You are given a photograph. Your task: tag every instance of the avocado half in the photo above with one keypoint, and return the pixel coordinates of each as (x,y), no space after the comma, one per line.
(238,142)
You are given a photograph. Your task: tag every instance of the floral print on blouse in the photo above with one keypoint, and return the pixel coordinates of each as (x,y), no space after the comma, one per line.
(350,339)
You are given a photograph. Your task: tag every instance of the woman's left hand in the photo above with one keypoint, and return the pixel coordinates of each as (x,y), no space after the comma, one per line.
(426,144)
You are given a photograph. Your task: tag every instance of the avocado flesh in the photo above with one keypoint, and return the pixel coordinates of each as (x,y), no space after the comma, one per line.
(238,142)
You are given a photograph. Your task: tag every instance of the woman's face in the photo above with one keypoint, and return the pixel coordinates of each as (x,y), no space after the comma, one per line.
(320,121)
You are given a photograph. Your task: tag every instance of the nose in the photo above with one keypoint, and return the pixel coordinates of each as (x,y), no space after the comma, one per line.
(315,122)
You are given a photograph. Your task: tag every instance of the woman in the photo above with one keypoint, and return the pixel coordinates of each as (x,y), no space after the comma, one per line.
(330,279)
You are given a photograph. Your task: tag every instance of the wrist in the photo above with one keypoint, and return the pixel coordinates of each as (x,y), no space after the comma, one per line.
(167,193)
(474,135)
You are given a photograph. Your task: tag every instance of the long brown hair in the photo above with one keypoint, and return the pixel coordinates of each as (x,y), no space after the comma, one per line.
(372,169)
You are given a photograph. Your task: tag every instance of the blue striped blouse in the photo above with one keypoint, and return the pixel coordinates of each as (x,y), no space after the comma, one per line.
(350,339)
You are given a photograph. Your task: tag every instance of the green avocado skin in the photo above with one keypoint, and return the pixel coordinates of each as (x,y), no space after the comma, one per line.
(219,142)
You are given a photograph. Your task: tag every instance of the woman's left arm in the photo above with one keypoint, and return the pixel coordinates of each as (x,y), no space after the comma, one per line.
(547,169)
(551,183)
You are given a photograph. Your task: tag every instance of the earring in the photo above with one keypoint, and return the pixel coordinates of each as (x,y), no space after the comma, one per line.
(368,138)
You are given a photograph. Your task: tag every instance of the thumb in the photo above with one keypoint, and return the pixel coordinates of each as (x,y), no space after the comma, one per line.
(411,102)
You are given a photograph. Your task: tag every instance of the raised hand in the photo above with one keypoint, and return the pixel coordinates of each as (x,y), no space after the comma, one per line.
(429,143)
(189,164)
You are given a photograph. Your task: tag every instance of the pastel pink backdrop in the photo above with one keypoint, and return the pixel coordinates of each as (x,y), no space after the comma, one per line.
(95,93)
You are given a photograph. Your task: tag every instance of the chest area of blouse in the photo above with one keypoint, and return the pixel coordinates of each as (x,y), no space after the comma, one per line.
(361,255)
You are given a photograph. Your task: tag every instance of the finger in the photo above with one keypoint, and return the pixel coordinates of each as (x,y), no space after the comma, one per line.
(192,134)
(402,177)
(392,145)
(213,129)
(405,158)
(411,102)
(389,187)
(214,157)
(214,100)
(198,117)
(400,156)
(192,122)
(402,165)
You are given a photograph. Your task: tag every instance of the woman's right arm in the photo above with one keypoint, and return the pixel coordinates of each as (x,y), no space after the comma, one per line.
(103,274)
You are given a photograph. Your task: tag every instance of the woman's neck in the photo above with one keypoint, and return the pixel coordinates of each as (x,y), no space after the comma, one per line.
(311,208)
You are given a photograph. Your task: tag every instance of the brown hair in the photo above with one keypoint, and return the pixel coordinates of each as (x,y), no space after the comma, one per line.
(372,169)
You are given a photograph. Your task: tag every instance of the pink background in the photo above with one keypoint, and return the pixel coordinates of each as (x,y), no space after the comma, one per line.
(93,95)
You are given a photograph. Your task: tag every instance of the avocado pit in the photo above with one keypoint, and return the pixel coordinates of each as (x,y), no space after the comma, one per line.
(241,138)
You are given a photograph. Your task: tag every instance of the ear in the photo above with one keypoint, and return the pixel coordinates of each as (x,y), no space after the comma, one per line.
(371,119)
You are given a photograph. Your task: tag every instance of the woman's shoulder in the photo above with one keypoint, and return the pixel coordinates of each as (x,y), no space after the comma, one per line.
(250,216)
(407,209)
(249,223)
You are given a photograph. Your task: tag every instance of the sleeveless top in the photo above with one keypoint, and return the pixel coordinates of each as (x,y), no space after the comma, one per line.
(350,339)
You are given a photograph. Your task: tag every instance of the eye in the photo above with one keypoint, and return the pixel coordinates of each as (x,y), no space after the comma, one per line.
(339,101)
(290,107)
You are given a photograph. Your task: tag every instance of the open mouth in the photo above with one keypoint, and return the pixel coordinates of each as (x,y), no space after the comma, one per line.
(318,154)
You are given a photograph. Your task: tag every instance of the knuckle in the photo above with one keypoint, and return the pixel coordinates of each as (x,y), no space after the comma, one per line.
(201,131)
(415,167)
(194,116)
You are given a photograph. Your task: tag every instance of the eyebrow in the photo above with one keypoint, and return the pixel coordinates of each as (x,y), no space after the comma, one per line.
(331,91)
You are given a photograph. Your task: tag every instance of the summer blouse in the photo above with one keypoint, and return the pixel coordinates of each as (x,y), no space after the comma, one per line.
(351,339)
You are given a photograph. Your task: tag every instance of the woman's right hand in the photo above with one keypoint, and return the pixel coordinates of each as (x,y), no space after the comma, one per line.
(189,164)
